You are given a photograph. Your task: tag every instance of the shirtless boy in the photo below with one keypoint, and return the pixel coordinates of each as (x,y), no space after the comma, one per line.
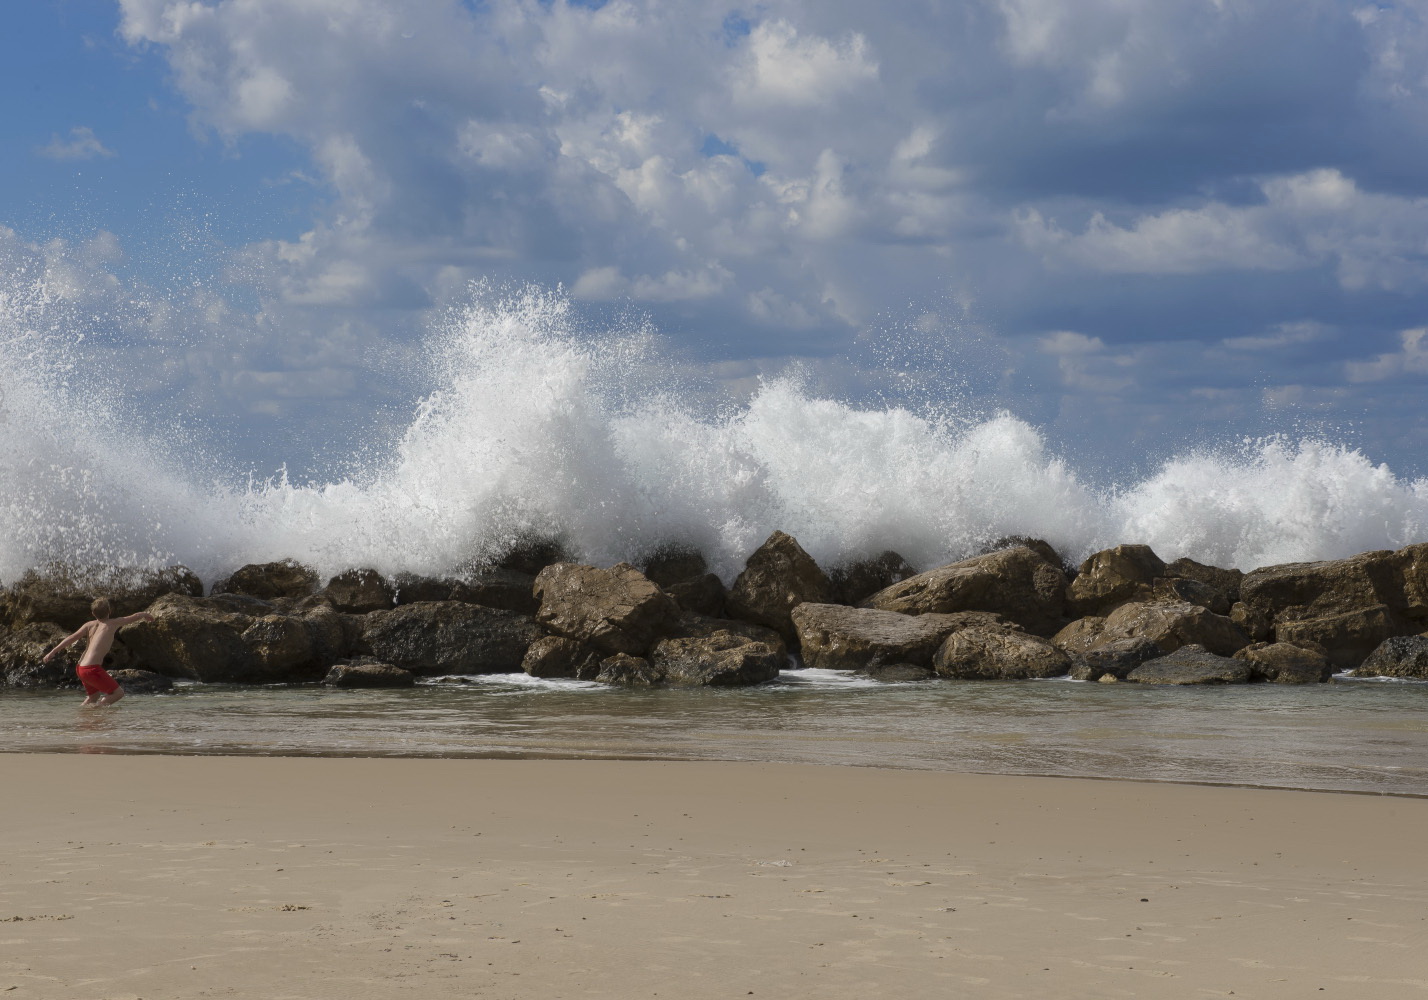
(99,688)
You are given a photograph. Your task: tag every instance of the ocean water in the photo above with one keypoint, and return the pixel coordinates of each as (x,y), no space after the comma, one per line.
(1363,736)
(533,427)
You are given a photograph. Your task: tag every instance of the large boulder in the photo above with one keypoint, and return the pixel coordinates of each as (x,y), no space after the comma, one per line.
(368,674)
(1348,605)
(1221,585)
(63,594)
(777,577)
(530,555)
(235,639)
(1172,625)
(282,649)
(491,587)
(195,639)
(1019,583)
(1284,663)
(22,652)
(270,581)
(855,581)
(615,610)
(1348,637)
(701,595)
(722,659)
(998,653)
(449,637)
(1110,578)
(1115,658)
(1400,656)
(835,637)
(557,656)
(624,670)
(358,591)
(1192,665)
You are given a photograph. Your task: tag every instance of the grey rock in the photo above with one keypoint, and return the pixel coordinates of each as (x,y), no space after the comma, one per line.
(723,659)
(1110,578)
(1399,656)
(835,637)
(998,653)
(1284,663)
(624,670)
(557,656)
(358,591)
(270,581)
(368,674)
(1018,583)
(1116,657)
(449,637)
(1192,664)
(777,577)
(615,610)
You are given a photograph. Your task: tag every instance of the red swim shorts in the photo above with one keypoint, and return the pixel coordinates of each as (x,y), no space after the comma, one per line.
(96,679)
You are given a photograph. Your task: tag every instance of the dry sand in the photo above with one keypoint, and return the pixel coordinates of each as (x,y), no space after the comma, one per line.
(181,877)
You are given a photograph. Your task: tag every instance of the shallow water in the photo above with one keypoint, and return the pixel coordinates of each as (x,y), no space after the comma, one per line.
(1348,735)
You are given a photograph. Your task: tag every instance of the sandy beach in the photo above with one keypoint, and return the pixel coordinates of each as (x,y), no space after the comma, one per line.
(127,877)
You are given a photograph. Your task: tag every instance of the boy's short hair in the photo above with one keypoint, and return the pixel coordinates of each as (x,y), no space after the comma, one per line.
(100,608)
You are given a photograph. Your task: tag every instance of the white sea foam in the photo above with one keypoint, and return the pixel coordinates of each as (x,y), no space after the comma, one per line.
(534,428)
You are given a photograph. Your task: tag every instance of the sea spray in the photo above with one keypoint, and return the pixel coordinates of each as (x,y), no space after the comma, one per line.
(535,427)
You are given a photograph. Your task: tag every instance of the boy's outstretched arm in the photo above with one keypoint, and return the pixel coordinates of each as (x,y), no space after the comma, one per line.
(142,616)
(81,631)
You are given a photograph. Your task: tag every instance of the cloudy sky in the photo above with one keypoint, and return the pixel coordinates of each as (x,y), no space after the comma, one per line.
(1140,224)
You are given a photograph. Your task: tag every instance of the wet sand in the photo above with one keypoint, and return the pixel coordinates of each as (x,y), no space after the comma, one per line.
(162,877)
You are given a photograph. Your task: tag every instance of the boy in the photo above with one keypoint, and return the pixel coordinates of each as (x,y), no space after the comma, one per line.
(99,688)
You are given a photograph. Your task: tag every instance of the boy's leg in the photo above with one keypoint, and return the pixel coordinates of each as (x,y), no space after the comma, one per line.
(110,698)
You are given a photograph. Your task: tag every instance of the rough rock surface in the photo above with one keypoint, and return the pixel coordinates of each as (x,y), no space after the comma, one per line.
(835,637)
(1284,663)
(1192,664)
(1018,583)
(1116,657)
(1081,635)
(1111,577)
(624,670)
(368,674)
(854,582)
(270,581)
(1172,625)
(63,594)
(557,656)
(1223,584)
(195,638)
(22,651)
(703,595)
(141,681)
(1348,637)
(998,653)
(1400,656)
(777,578)
(1348,605)
(722,659)
(449,637)
(358,591)
(615,610)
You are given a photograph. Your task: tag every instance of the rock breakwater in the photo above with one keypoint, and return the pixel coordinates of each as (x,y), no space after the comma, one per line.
(1014,612)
